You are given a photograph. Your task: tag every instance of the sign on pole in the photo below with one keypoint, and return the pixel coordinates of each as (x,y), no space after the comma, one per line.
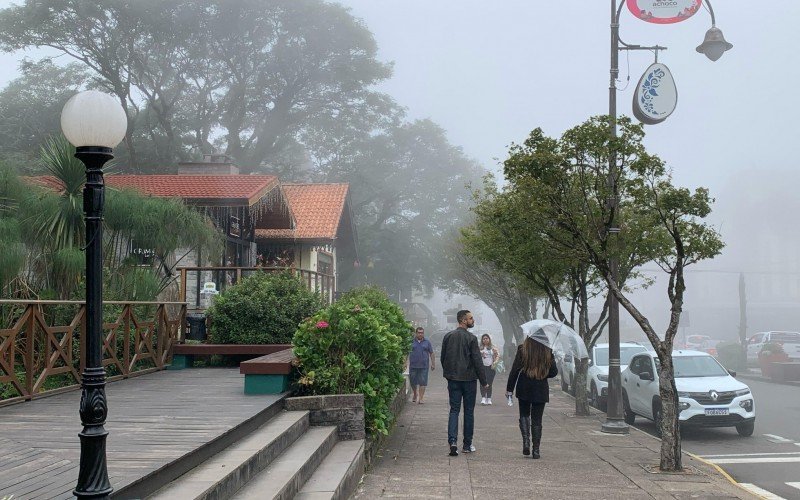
(656,95)
(664,11)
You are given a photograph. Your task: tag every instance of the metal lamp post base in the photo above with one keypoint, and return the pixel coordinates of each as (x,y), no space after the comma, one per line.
(615,427)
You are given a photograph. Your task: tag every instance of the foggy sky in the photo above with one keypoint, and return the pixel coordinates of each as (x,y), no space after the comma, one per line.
(489,72)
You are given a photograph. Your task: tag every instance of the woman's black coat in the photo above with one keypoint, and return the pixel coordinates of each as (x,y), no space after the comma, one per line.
(528,389)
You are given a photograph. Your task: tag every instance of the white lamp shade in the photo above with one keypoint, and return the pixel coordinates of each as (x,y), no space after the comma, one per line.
(93,118)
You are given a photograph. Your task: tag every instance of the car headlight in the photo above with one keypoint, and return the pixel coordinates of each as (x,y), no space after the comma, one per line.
(747,404)
(602,378)
(684,406)
(684,395)
(742,392)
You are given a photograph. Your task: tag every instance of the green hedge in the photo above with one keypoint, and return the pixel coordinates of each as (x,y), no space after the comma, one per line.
(731,355)
(264,308)
(357,345)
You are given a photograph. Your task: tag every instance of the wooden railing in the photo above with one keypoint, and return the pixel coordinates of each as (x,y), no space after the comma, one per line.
(41,350)
(325,284)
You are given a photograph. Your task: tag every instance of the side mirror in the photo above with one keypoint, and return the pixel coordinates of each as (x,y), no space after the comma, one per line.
(732,373)
(646,376)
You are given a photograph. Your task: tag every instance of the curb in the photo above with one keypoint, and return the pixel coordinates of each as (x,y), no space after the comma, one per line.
(759,378)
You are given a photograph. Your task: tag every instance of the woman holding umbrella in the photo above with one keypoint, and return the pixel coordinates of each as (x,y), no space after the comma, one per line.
(533,365)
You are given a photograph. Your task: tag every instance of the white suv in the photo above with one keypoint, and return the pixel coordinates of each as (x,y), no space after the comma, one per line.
(708,395)
(597,375)
(789,340)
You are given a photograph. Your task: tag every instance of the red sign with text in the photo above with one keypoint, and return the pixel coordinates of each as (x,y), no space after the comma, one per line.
(664,11)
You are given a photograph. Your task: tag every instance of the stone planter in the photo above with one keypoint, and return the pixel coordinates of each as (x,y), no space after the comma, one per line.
(765,362)
(375,443)
(345,411)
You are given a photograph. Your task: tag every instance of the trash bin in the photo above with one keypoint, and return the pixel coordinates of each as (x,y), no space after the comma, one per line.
(197,327)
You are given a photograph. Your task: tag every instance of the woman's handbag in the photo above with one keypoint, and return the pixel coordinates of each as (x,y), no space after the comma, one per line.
(498,366)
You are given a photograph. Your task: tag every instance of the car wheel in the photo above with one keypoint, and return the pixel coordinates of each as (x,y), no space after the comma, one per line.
(593,399)
(746,429)
(657,417)
(627,413)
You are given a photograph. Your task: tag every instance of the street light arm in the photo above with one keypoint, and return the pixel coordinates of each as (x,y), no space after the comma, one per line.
(711,11)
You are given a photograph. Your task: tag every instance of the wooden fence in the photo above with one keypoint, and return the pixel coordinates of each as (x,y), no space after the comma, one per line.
(41,352)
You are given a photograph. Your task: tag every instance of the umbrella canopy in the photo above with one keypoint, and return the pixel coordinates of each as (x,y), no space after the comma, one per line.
(557,336)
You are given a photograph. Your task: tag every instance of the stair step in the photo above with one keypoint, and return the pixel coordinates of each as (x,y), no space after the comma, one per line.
(221,476)
(338,475)
(284,477)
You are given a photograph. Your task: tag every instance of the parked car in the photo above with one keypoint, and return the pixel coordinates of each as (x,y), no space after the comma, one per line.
(708,395)
(697,342)
(789,340)
(566,371)
(597,375)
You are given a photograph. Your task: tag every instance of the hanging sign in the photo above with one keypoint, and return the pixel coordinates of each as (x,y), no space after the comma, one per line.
(664,11)
(656,95)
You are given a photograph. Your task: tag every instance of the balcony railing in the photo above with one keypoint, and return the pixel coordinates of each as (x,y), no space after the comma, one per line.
(41,351)
(193,278)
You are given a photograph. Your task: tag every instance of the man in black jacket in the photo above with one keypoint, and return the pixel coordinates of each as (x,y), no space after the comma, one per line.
(461,366)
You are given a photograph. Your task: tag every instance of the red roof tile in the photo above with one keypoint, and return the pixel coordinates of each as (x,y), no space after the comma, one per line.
(226,190)
(317,208)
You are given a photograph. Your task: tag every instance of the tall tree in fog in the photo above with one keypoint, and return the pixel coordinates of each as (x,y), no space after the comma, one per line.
(410,187)
(259,79)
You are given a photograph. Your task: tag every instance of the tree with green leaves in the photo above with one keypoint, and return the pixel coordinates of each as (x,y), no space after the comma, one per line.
(263,80)
(659,222)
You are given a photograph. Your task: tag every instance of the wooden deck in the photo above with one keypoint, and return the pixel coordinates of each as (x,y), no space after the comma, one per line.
(153,420)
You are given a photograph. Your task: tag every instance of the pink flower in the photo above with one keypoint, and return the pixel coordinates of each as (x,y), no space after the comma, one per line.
(322,324)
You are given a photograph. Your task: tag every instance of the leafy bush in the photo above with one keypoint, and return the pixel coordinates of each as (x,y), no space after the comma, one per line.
(357,345)
(771,348)
(264,308)
(731,355)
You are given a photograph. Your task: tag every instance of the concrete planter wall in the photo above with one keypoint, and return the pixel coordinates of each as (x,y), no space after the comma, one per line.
(375,443)
(345,411)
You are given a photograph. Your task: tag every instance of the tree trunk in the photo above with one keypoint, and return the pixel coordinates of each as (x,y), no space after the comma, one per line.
(581,399)
(670,428)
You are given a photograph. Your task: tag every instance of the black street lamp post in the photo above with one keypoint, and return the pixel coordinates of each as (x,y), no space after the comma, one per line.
(94,123)
(713,47)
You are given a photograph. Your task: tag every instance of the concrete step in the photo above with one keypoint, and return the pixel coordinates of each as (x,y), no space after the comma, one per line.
(223,474)
(338,475)
(284,477)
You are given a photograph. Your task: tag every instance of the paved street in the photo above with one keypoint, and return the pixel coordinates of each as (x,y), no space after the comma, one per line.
(770,459)
(577,460)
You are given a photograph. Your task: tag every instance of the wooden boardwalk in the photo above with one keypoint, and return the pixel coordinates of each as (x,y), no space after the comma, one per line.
(153,420)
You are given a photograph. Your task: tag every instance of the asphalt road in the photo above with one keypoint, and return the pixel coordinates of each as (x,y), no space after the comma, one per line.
(768,463)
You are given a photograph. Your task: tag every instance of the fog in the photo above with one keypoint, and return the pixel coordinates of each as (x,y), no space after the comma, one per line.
(488,73)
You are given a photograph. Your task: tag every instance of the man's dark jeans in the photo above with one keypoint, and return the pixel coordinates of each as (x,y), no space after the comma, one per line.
(461,391)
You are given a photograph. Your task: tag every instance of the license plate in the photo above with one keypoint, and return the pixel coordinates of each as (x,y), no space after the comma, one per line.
(716,411)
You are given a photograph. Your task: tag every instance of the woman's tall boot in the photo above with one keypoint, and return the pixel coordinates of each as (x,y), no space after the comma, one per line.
(525,429)
(537,439)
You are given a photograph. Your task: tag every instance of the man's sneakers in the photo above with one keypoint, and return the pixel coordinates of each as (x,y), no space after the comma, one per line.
(467,449)
(453,450)
(488,401)
(483,401)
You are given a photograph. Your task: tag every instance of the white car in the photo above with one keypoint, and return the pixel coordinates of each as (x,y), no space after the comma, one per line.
(597,375)
(566,371)
(789,340)
(708,395)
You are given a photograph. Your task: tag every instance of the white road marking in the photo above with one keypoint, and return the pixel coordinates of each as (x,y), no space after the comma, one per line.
(794,485)
(777,439)
(752,488)
(756,460)
(751,454)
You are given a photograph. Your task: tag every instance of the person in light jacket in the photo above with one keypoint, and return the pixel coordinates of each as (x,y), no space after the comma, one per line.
(533,365)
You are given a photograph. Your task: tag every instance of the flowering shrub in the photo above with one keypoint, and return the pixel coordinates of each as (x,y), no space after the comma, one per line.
(264,308)
(357,345)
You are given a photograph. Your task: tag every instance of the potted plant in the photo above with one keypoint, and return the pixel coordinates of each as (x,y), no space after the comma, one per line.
(771,352)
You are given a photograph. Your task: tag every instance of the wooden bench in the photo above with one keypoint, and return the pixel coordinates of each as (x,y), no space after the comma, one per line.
(184,354)
(268,374)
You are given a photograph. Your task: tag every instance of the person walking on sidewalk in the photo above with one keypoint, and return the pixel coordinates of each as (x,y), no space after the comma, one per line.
(489,355)
(533,365)
(419,362)
(461,365)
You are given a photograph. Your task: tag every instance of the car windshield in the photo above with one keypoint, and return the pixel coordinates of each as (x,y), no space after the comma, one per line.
(625,354)
(789,338)
(697,366)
